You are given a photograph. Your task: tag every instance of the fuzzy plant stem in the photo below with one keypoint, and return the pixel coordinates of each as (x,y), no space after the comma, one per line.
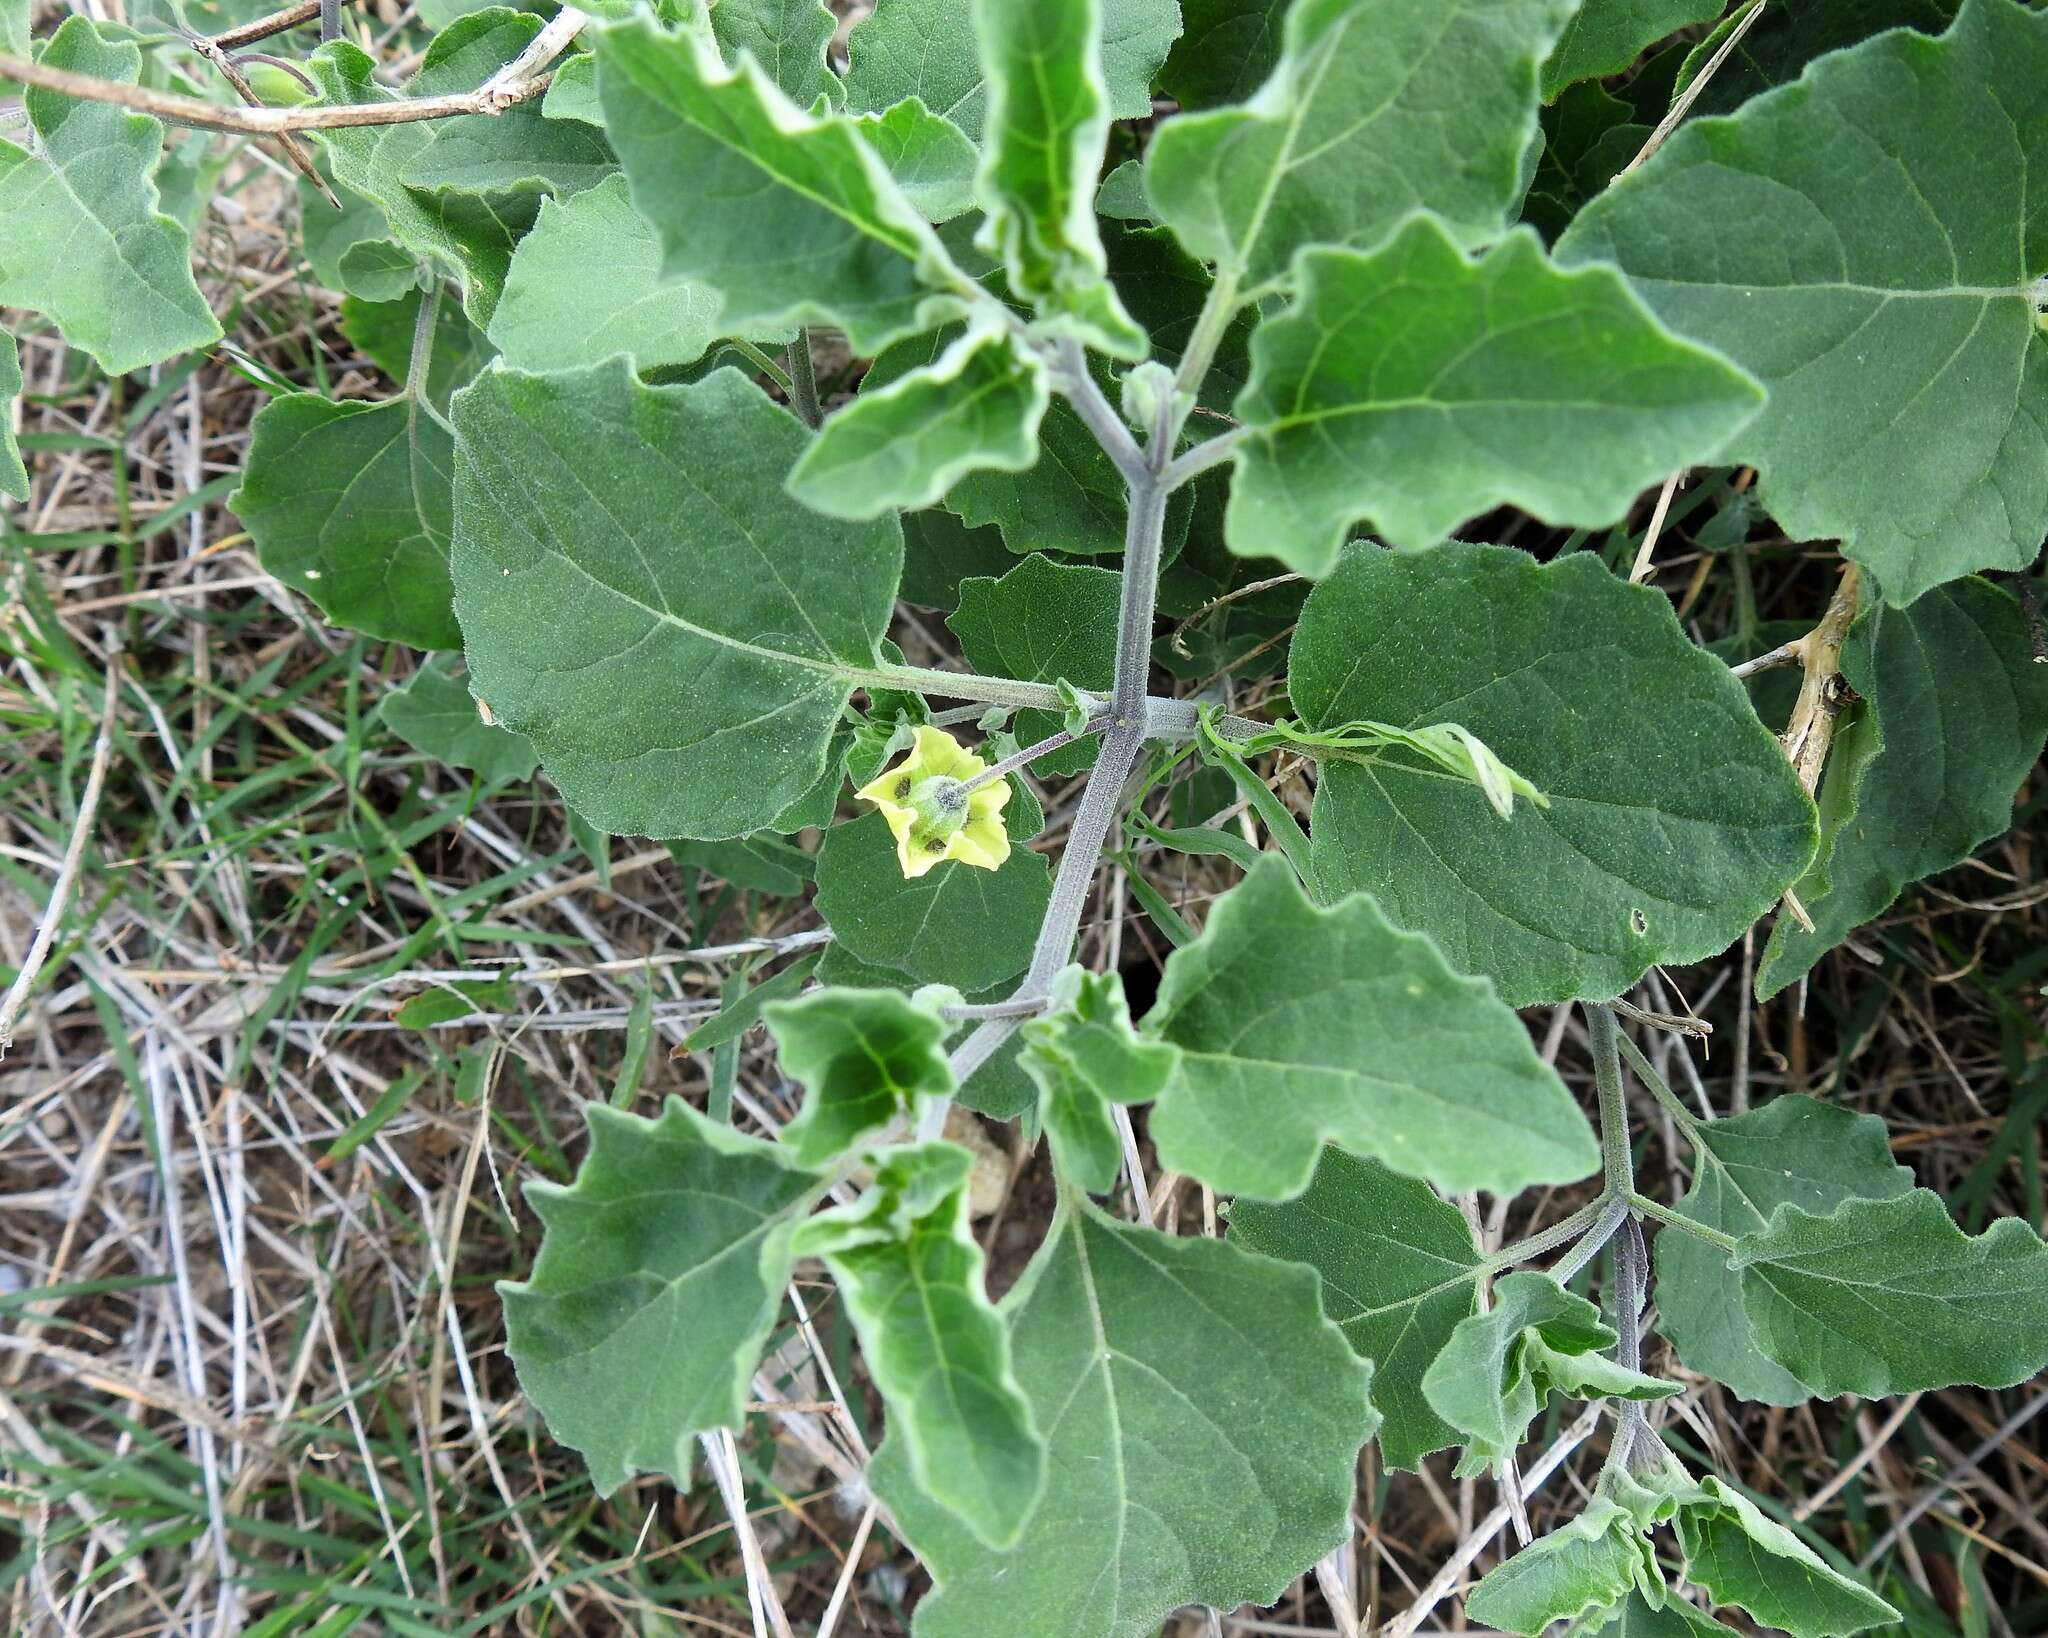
(1631,1255)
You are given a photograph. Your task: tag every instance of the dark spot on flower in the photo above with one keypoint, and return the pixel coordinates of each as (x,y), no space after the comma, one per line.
(935,846)
(902,787)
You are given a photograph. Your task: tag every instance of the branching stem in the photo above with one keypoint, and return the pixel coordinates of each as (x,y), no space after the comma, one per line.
(1030,754)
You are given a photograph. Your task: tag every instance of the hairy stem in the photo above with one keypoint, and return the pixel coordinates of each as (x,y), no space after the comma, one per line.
(803,380)
(1030,754)
(1617,1164)
(1631,1269)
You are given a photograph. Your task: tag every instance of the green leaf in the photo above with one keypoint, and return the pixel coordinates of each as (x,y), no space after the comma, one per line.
(1297,1024)
(1493,1376)
(1399,1272)
(1779,44)
(1743,1558)
(1149,1361)
(1792,1151)
(1878,290)
(86,242)
(1674,819)
(518,151)
(1417,388)
(976,407)
(1376,108)
(788,38)
(788,217)
(586,283)
(1048,118)
(954,925)
(1043,621)
(434,714)
(940,554)
(449,1001)
(1226,48)
(928,157)
(627,546)
(1961,711)
(384,330)
(350,504)
(926,49)
(14,28)
(462,237)
(1083,1056)
(1595,1561)
(667,1233)
(13,475)
(911,1277)
(864,1058)
(1636,1617)
(1889,1296)
(1606,36)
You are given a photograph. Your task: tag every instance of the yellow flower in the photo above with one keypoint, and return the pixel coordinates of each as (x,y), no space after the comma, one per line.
(931,814)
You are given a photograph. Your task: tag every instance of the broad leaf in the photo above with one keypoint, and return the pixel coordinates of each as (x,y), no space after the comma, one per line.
(941,554)
(910,1276)
(1779,44)
(1043,621)
(384,330)
(927,156)
(976,407)
(1048,117)
(1606,36)
(1492,1378)
(85,241)
(1297,1024)
(865,1058)
(1673,822)
(1376,108)
(954,925)
(1083,1056)
(1961,711)
(464,238)
(926,49)
(1889,1296)
(640,598)
(349,503)
(666,1234)
(1792,1151)
(13,475)
(1147,1360)
(1743,1558)
(1595,1561)
(1399,1272)
(586,283)
(434,714)
(1636,1617)
(1879,290)
(788,217)
(1417,388)
(788,38)
(519,151)
(1226,49)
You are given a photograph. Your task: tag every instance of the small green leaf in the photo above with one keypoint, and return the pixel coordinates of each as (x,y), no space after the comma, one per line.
(451,1000)
(679,654)
(1792,1151)
(1043,622)
(788,38)
(1399,1272)
(1226,48)
(1878,290)
(86,241)
(977,407)
(1595,1561)
(13,475)
(1889,1296)
(927,155)
(1048,118)
(1636,1617)
(955,925)
(926,49)
(1606,36)
(1145,1360)
(1743,1558)
(519,151)
(1672,824)
(941,554)
(1417,388)
(1492,1378)
(1297,1024)
(667,1233)
(789,217)
(1083,1056)
(864,1057)
(911,1277)
(586,283)
(1961,711)
(434,714)
(350,504)
(1355,129)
